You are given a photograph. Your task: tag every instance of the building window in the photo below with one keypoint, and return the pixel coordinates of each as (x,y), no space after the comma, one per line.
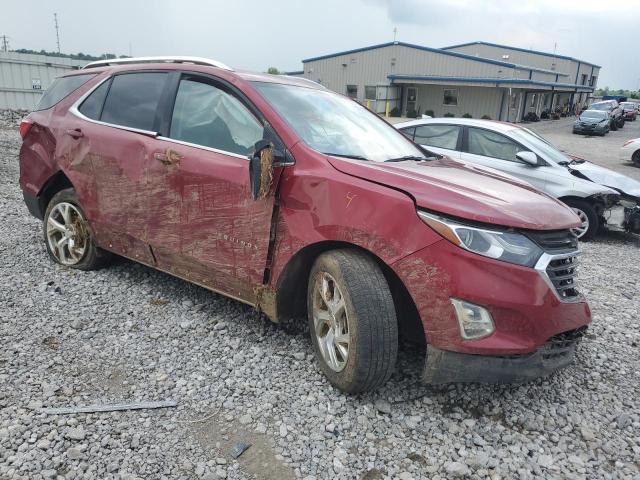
(369,93)
(593,81)
(412,98)
(584,78)
(451,97)
(352,91)
(534,97)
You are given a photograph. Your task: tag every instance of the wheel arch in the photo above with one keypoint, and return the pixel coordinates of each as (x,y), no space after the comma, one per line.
(56,182)
(292,284)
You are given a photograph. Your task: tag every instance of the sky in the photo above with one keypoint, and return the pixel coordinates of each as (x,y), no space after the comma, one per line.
(257,34)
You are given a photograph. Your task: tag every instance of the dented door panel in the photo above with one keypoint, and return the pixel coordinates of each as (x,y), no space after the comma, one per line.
(205,226)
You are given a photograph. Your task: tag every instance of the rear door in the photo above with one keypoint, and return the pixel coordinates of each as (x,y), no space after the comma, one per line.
(115,129)
(492,149)
(204,224)
(440,138)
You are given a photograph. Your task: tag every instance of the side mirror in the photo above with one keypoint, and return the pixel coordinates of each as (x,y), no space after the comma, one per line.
(529,158)
(261,168)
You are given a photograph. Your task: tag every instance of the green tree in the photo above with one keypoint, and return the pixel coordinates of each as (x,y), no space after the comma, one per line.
(273,71)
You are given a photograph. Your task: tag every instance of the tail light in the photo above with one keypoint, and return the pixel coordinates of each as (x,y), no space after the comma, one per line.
(25,126)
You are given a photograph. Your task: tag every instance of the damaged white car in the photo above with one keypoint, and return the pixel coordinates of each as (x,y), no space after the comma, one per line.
(600,197)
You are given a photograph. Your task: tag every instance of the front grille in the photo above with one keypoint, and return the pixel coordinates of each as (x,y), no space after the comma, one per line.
(563,272)
(555,241)
(563,344)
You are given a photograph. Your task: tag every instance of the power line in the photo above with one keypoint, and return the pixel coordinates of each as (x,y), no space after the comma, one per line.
(55,21)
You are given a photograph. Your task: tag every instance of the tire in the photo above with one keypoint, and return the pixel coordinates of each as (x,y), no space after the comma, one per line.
(621,123)
(635,158)
(79,250)
(587,213)
(366,314)
(614,126)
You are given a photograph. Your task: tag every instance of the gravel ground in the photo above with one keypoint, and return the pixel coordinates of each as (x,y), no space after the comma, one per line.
(128,333)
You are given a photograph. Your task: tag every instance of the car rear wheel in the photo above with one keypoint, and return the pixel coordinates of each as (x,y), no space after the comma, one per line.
(67,235)
(588,217)
(352,320)
(614,125)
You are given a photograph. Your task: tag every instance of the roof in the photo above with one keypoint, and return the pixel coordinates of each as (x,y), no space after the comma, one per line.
(471,122)
(505,81)
(434,50)
(537,52)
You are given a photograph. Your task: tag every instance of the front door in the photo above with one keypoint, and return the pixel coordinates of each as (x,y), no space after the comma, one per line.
(485,147)
(204,225)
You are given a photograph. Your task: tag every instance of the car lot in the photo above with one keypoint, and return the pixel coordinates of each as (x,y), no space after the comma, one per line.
(601,150)
(129,333)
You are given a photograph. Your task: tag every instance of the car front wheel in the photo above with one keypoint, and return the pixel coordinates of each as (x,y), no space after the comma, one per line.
(636,158)
(352,320)
(588,216)
(67,235)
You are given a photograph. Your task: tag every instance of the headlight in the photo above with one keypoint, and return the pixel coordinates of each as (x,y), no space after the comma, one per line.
(507,246)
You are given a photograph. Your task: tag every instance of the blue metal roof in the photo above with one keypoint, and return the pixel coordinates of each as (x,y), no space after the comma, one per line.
(297,72)
(537,52)
(497,81)
(434,50)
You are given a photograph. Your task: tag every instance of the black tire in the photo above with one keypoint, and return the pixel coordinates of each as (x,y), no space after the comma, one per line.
(591,214)
(370,316)
(621,123)
(614,126)
(93,257)
(636,158)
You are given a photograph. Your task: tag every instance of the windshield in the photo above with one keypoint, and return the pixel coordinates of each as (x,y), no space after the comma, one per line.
(600,106)
(628,106)
(335,125)
(594,114)
(539,145)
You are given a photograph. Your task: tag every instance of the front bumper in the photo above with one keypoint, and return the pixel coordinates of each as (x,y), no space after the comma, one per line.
(444,366)
(526,309)
(590,131)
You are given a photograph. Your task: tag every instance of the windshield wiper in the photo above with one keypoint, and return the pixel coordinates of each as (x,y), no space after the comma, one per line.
(407,157)
(346,155)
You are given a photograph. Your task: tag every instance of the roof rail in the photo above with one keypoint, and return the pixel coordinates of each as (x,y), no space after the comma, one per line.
(129,61)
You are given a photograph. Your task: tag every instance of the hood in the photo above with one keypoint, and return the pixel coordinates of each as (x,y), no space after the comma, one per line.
(466,191)
(608,178)
(591,121)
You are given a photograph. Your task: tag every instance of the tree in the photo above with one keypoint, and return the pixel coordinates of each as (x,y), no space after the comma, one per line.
(273,71)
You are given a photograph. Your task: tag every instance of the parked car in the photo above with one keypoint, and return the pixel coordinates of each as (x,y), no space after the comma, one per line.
(615,112)
(599,196)
(629,110)
(592,122)
(630,151)
(298,201)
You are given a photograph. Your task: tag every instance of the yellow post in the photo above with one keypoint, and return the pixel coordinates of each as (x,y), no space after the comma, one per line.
(369,104)
(386,109)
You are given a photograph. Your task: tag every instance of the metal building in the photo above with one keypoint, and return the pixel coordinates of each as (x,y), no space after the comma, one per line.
(479,79)
(23,77)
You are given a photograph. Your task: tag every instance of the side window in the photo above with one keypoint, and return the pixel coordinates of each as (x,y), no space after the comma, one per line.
(92,105)
(60,88)
(133,100)
(490,144)
(409,132)
(206,115)
(442,136)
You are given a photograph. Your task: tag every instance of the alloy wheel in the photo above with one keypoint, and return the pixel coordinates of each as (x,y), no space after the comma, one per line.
(582,229)
(331,322)
(67,233)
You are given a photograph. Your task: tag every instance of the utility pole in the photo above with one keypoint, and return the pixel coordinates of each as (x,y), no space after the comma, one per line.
(5,43)
(395,34)
(55,21)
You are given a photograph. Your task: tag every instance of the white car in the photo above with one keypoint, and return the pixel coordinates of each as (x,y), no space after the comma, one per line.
(600,197)
(630,151)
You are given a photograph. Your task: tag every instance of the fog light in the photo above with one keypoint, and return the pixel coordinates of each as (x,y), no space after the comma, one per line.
(475,322)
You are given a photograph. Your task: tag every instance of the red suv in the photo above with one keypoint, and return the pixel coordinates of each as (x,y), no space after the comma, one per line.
(298,201)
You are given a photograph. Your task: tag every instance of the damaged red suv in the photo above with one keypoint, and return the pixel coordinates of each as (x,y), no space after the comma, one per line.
(298,201)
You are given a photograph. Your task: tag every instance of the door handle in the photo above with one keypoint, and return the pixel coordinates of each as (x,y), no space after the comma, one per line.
(168,157)
(75,133)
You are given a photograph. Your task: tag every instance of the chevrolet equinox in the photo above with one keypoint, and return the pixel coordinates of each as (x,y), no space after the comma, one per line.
(298,201)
